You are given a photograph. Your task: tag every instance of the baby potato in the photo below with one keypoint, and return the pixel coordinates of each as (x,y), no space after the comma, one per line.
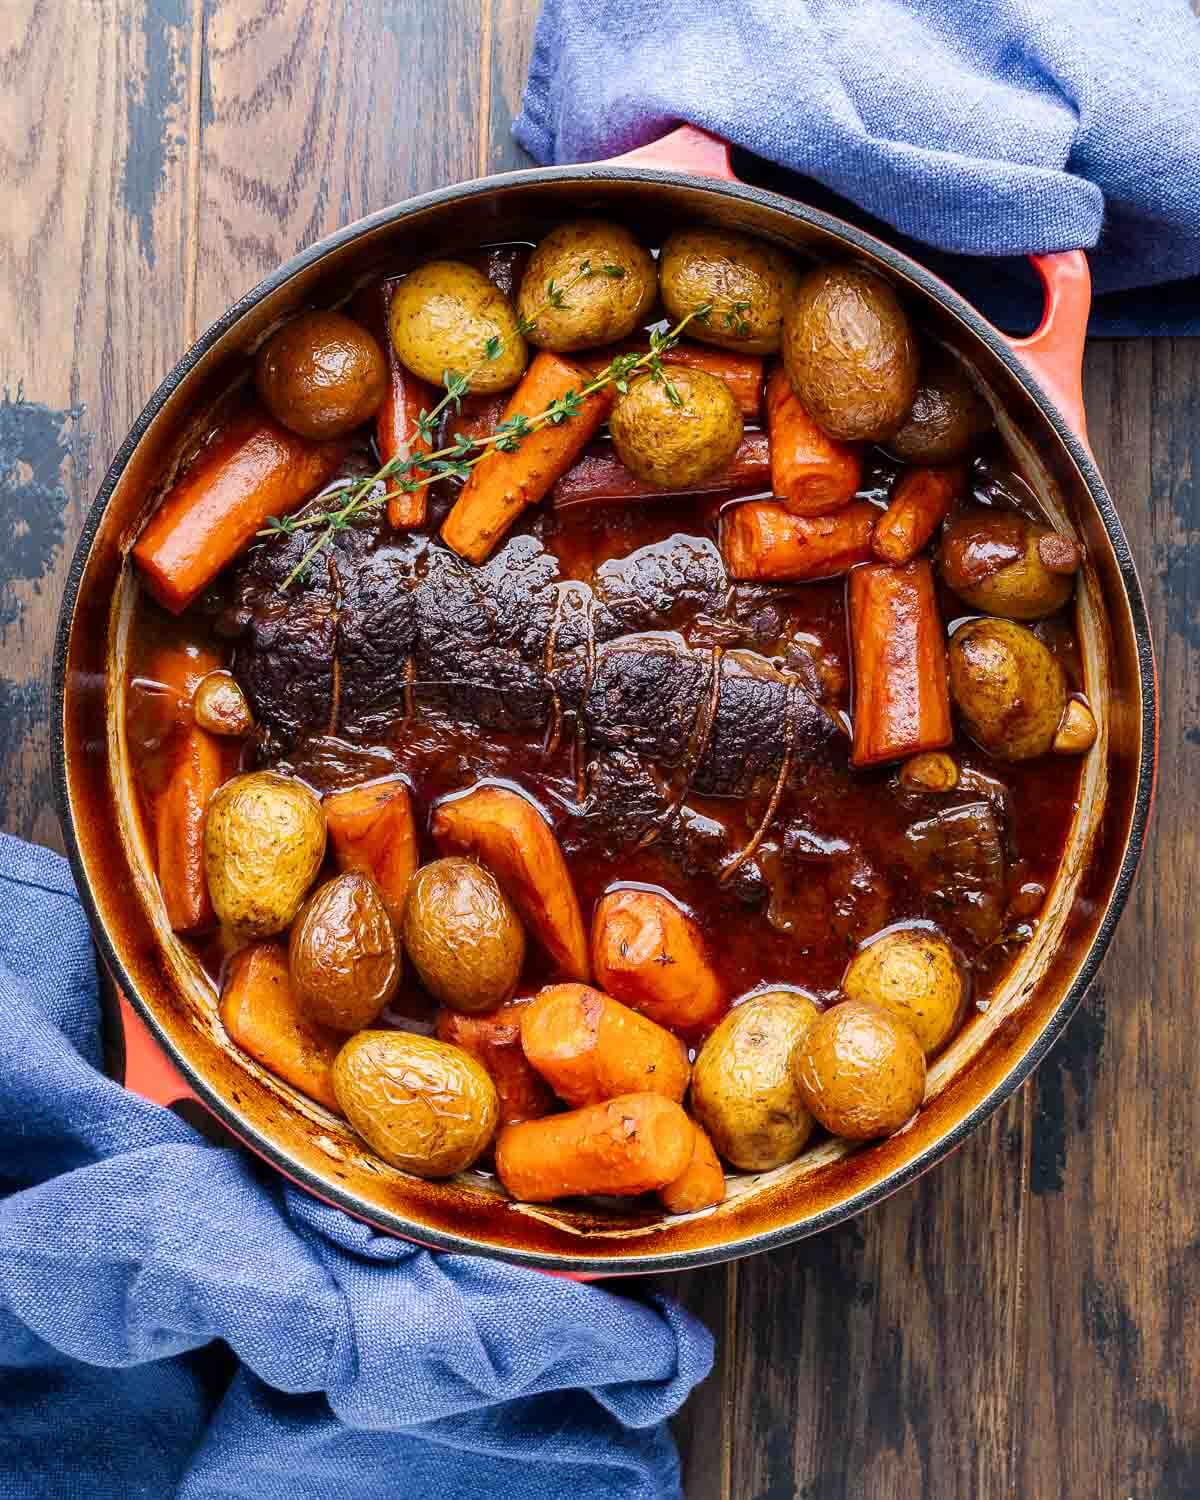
(674,432)
(604,284)
(948,414)
(422,1104)
(264,840)
(1002,563)
(445,315)
(321,375)
(745,281)
(744,1093)
(342,955)
(860,1071)
(1009,689)
(850,353)
(463,935)
(914,976)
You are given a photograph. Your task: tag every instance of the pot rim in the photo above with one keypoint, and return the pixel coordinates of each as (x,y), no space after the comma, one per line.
(1005,1086)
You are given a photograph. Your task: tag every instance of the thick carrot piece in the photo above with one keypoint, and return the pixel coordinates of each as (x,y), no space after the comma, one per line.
(261,1014)
(918,507)
(763,542)
(811,473)
(700,1184)
(625,1146)
(901,703)
(494,1039)
(502,485)
(648,953)
(179,831)
(253,470)
(513,839)
(166,685)
(742,373)
(372,832)
(397,437)
(590,1047)
(600,477)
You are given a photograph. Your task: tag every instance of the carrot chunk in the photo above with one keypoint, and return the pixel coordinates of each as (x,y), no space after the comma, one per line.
(898,646)
(763,542)
(601,477)
(811,473)
(649,953)
(494,1039)
(700,1184)
(918,507)
(372,832)
(179,831)
(253,470)
(502,485)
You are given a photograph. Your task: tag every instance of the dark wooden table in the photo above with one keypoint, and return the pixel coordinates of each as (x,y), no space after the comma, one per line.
(1026,1319)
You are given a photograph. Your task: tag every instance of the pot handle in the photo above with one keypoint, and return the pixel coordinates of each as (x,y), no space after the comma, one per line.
(1052,354)
(148,1070)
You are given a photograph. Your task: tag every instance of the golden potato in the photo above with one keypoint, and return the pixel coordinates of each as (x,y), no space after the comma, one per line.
(850,353)
(462,934)
(948,414)
(915,977)
(675,431)
(1002,563)
(446,315)
(744,1093)
(220,707)
(746,282)
(342,956)
(264,840)
(423,1105)
(1008,688)
(860,1071)
(321,375)
(588,283)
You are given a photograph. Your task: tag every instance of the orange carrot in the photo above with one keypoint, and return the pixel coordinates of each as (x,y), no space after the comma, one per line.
(494,1039)
(700,1184)
(253,470)
(502,485)
(179,831)
(513,839)
(648,952)
(763,542)
(919,504)
(600,476)
(371,832)
(590,1047)
(261,1014)
(811,473)
(168,683)
(407,396)
(901,697)
(625,1146)
(742,373)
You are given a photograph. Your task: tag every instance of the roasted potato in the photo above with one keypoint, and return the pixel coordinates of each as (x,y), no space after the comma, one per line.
(264,841)
(860,1071)
(746,283)
(220,706)
(342,956)
(588,283)
(675,431)
(463,935)
(1009,689)
(321,375)
(914,976)
(648,953)
(743,1090)
(850,353)
(421,1104)
(1002,563)
(948,414)
(447,316)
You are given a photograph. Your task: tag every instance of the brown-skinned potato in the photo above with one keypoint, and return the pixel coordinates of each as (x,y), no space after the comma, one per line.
(264,840)
(914,976)
(746,282)
(599,306)
(673,442)
(1002,563)
(321,375)
(947,415)
(343,958)
(462,935)
(442,317)
(1009,689)
(860,1071)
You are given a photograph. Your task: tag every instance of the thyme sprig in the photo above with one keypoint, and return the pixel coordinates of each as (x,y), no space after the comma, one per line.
(732,315)
(456,460)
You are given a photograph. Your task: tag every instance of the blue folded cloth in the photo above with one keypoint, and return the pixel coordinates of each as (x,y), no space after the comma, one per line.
(177,1320)
(995,129)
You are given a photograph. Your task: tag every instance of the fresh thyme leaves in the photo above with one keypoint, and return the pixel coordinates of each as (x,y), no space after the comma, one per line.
(733,316)
(344,504)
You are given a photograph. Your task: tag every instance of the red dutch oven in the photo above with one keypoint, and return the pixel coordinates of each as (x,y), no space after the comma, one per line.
(174,1044)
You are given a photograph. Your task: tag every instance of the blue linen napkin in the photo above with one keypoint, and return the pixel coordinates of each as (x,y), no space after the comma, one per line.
(980,129)
(177,1320)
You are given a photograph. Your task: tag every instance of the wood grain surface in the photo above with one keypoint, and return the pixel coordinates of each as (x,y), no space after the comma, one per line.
(1023,1321)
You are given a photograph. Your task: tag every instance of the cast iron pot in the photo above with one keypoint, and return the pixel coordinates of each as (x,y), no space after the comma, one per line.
(175,1045)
